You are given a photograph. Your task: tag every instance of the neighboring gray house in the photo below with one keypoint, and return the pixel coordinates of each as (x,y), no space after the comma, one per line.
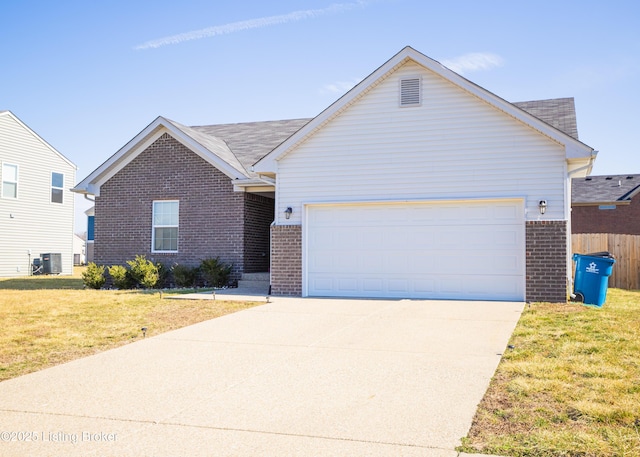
(417,183)
(36,205)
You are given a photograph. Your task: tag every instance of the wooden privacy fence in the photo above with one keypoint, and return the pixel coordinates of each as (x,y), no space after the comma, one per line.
(625,248)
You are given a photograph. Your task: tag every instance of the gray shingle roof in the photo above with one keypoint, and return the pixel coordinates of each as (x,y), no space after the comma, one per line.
(250,141)
(214,144)
(605,188)
(558,112)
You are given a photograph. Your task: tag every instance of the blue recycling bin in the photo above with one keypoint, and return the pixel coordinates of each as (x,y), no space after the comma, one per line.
(592,276)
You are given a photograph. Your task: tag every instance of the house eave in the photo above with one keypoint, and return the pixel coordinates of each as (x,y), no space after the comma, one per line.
(253,185)
(615,202)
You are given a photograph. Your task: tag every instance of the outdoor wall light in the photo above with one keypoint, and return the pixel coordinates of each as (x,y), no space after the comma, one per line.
(542,206)
(287,212)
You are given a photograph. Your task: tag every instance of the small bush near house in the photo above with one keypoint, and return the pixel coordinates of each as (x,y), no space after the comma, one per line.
(214,272)
(185,276)
(164,277)
(143,272)
(120,277)
(93,277)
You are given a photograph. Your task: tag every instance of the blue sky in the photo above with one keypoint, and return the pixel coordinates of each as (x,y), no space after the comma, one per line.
(88,76)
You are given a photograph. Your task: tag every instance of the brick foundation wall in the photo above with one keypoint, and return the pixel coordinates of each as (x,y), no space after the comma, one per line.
(258,216)
(286,260)
(211,214)
(624,220)
(546,261)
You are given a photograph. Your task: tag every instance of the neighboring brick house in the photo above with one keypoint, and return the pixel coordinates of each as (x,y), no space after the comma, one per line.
(171,194)
(417,183)
(606,204)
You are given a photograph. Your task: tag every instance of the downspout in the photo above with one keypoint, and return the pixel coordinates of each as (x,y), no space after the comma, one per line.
(588,166)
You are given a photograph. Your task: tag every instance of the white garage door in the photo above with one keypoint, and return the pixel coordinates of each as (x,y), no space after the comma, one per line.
(445,250)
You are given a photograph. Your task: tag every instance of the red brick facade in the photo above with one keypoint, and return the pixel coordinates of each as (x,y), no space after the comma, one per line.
(286,260)
(624,219)
(546,261)
(214,221)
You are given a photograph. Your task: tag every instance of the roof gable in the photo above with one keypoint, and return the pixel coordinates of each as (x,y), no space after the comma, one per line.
(605,189)
(573,147)
(211,149)
(10,115)
(232,148)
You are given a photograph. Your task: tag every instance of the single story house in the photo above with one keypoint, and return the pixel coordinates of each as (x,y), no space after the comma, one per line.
(417,183)
(606,204)
(36,203)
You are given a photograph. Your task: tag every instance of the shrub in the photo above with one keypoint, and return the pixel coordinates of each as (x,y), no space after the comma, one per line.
(215,272)
(185,276)
(119,276)
(143,272)
(93,277)
(164,276)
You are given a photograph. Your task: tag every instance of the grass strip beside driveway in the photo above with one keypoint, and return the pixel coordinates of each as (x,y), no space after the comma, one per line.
(568,386)
(46,321)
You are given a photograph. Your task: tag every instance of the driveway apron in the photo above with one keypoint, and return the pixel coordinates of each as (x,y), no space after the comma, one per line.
(295,377)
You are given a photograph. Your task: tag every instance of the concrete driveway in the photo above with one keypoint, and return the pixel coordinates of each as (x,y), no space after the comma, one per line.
(295,377)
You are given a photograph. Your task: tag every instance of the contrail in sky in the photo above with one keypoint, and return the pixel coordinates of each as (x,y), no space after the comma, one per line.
(249,24)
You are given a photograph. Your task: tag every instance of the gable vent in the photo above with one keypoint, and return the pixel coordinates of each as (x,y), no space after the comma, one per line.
(410,92)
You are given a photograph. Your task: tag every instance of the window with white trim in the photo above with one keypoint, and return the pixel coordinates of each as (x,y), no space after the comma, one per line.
(165,226)
(9,181)
(57,187)
(410,91)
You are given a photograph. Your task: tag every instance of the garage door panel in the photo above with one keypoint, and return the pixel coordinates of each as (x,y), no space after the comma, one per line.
(373,285)
(465,250)
(348,285)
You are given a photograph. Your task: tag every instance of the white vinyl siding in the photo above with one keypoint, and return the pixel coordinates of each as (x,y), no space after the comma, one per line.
(34,225)
(57,187)
(453,146)
(165,226)
(9,181)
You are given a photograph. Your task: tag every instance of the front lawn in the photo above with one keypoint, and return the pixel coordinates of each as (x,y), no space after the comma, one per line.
(48,320)
(569,385)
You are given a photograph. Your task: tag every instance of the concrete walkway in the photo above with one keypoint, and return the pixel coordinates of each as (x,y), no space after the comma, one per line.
(294,377)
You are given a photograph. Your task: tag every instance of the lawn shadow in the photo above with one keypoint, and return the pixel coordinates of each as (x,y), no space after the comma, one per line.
(41,282)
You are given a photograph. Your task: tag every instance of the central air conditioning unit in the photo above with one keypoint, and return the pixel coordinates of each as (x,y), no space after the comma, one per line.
(51,263)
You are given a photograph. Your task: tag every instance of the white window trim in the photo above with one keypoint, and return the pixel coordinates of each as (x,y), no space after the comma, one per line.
(55,187)
(16,182)
(153,227)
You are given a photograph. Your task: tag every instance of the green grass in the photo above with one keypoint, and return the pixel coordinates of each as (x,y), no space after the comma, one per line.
(570,386)
(48,320)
